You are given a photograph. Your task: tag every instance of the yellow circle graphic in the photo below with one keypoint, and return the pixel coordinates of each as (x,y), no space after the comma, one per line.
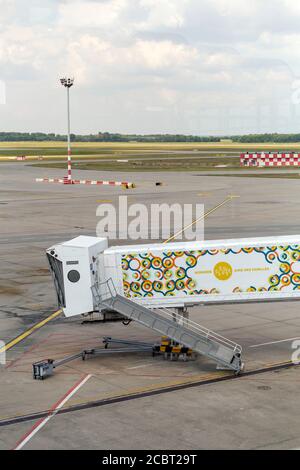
(223,271)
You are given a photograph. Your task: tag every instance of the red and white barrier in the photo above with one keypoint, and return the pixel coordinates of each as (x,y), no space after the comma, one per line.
(66,180)
(109,183)
(50,180)
(270,159)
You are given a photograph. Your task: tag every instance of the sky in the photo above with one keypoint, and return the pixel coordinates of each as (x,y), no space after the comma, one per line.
(202,67)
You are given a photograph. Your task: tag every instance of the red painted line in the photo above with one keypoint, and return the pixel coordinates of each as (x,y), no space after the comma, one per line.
(14,361)
(53,410)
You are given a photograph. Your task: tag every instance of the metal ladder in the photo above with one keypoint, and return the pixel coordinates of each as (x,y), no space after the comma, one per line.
(224,352)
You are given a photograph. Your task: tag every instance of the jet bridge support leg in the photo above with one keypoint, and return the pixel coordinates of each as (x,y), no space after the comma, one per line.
(182,311)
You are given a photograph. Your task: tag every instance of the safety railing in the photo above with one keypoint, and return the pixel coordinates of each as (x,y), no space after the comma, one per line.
(106,290)
(199,329)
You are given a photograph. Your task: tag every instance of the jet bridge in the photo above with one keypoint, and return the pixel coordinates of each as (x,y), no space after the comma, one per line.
(152,283)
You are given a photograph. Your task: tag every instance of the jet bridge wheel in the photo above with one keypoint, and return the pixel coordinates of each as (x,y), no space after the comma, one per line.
(126,322)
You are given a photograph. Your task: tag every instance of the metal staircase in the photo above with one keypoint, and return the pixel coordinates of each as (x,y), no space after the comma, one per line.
(224,352)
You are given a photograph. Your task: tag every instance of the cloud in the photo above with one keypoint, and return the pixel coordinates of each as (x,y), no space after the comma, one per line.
(90,14)
(177,60)
(167,13)
(162,54)
(236,8)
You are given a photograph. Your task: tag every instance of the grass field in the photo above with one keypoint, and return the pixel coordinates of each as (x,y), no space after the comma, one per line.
(131,149)
(162,163)
(294,176)
(133,156)
(57,151)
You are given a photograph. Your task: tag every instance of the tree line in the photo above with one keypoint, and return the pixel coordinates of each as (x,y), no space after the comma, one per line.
(102,137)
(114,137)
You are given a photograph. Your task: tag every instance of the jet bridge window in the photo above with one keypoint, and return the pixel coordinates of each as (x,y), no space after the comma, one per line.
(73,275)
(56,267)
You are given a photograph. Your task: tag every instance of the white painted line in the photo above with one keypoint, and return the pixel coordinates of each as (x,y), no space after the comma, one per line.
(41,423)
(137,367)
(273,342)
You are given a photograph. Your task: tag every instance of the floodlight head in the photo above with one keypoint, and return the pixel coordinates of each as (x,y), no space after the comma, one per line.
(67,82)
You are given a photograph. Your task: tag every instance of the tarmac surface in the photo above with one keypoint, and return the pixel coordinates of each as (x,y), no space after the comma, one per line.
(246,413)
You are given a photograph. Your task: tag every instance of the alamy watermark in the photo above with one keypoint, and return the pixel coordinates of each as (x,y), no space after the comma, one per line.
(2,354)
(2,92)
(296,92)
(150,222)
(296,353)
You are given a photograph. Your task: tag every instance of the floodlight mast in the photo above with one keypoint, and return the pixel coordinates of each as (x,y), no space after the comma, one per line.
(67,83)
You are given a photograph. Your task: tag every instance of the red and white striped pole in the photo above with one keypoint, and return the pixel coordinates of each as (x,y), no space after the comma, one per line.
(68,82)
(69,141)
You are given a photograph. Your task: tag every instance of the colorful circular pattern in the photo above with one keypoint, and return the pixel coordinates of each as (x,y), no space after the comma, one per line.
(146,273)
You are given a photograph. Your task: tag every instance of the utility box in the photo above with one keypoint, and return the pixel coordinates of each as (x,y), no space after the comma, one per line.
(42,369)
(75,265)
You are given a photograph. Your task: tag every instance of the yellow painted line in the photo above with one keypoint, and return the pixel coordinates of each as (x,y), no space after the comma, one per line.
(158,386)
(199,378)
(131,198)
(26,333)
(165,385)
(228,199)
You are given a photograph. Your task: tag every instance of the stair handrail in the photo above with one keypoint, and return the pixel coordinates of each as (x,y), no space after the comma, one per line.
(207,333)
(111,292)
